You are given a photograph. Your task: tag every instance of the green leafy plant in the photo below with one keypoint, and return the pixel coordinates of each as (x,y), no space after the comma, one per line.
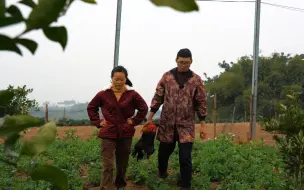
(20,104)
(11,130)
(288,131)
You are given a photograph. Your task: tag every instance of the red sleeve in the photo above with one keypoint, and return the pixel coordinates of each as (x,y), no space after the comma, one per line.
(142,107)
(93,109)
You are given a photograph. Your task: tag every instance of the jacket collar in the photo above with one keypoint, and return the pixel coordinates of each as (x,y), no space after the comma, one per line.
(108,87)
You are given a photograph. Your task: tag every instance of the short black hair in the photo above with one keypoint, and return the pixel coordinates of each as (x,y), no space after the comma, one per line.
(185,53)
(123,70)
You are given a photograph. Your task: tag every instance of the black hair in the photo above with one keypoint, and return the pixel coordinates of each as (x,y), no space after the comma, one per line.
(185,53)
(123,70)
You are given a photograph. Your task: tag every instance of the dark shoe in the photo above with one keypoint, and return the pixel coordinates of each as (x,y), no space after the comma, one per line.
(163,175)
(182,188)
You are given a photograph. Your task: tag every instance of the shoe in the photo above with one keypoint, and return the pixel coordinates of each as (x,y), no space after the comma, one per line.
(163,175)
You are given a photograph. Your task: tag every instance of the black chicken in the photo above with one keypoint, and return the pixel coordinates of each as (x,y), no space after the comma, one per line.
(145,145)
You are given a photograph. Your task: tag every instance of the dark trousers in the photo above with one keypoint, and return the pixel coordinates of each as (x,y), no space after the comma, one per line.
(111,149)
(185,160)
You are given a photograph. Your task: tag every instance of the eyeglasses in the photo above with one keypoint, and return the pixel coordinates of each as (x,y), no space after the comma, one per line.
(184,62)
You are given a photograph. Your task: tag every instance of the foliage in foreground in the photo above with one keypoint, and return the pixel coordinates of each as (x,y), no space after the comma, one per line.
(12,129)
(289,135)
(239,167)
(45,13)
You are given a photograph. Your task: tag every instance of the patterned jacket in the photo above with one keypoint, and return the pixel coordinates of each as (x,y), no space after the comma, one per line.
(180,102)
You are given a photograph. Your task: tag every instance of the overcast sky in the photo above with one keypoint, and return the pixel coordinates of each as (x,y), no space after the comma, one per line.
(150,39)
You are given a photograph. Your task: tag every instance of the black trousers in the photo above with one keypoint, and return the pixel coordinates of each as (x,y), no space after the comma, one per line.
(185,160)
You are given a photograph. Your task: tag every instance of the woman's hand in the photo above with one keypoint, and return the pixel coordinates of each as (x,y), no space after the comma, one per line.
(130,121)
(103,123)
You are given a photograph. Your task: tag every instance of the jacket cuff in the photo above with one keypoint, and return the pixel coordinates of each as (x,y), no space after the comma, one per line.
(153,110)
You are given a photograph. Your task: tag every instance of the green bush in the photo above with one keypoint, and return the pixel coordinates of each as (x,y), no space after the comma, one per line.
(289,135)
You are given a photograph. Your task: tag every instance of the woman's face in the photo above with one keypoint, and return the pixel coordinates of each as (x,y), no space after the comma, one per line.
(119,80)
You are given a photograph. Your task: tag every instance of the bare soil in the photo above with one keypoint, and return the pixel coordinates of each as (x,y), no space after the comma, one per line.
(241,131)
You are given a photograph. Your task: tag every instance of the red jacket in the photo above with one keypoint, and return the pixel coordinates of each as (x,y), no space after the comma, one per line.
(116,113)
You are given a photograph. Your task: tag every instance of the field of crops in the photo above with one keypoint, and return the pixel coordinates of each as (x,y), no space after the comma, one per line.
(222,162)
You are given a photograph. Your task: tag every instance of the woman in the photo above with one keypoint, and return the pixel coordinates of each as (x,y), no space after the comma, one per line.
(118,104)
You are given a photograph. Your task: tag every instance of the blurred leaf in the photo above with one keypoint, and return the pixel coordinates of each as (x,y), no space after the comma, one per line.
(8,21)
(44,13)
(8,44)
(15,124)
(57,34)
(41,141)
(51,174)
(89,1)
(179,5)
(2,8)
(28,3)
(14,11)
(29,44)
(2,119)
(290,97)
(5,97)
(283,107)
(10,144)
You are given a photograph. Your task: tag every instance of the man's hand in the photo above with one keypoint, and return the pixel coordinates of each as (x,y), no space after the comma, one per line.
(203,131)
(103,123)
(150,118)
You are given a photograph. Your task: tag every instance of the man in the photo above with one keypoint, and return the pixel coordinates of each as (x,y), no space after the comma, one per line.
(182,93)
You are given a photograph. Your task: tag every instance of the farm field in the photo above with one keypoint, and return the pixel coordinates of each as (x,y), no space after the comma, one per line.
(240,130)
(220,164)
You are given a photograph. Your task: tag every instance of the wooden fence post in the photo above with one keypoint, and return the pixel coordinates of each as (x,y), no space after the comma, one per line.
(46,113)
(214,116)
(250,106)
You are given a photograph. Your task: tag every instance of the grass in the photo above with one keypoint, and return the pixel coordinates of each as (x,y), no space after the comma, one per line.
(235,167)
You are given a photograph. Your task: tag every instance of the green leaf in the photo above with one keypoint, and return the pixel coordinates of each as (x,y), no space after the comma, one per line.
(57,34)
(8,21)
(29,44)
(14,11)
(10,144)
(41,141)
(5,97)
(8,44)
(290,97)
(28,3)
(51,174)
(283,107)
(2,8)
(90,1)
(179,5)
(15,124)
(44,14)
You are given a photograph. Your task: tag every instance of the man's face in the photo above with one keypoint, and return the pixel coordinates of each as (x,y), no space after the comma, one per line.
(183,64)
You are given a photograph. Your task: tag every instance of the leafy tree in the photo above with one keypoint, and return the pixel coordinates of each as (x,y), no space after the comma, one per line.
(279,74)
(20,103)
(289,135)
